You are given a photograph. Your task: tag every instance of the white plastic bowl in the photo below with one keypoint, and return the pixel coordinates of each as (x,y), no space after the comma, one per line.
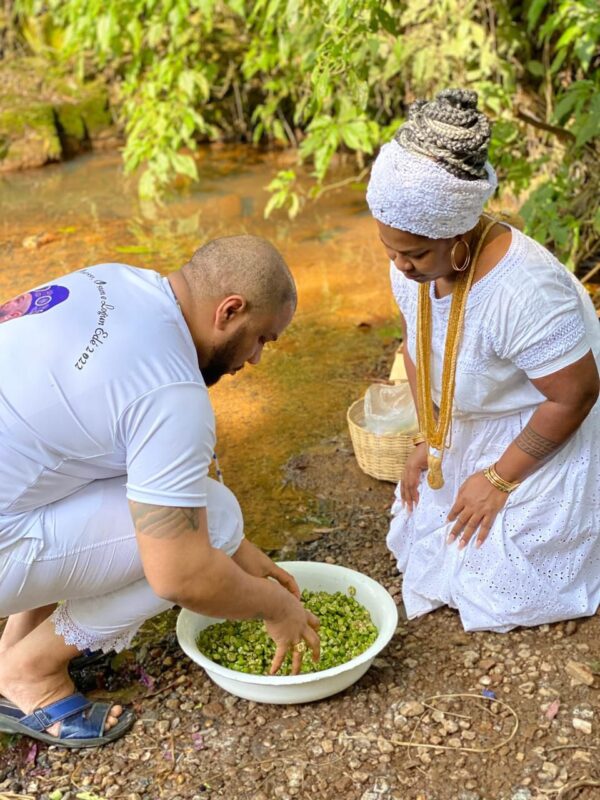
(314,576)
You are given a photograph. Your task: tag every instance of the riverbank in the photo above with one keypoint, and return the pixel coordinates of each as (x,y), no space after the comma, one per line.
(304,383)
(47,115)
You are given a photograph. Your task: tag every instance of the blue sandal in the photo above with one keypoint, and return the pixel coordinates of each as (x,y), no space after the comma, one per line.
(82,722)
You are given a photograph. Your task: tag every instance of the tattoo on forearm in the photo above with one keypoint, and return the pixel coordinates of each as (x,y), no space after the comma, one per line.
(534,444)
(162,522)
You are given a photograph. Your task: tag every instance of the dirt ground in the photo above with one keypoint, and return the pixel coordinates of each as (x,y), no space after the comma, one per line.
(540,737)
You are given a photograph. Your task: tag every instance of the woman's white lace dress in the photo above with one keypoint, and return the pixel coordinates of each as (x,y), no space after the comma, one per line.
(527,318)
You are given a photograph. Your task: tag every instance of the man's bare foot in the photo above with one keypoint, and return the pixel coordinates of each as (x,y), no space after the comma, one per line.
(33,673)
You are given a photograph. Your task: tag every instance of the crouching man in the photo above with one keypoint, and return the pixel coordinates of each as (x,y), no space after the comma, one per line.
(106,437)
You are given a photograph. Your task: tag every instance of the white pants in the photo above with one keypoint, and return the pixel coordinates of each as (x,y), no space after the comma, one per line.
(82,550)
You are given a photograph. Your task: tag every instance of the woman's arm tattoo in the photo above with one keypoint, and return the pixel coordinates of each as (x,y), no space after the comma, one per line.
(535,445)
(163,522)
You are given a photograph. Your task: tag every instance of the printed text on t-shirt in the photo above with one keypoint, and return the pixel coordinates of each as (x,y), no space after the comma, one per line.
(100,333)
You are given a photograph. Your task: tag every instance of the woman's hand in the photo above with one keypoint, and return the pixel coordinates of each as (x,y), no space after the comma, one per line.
(416,463)
(476,507)
(253,561)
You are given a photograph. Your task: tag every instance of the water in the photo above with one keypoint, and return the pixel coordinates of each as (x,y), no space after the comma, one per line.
(71,215)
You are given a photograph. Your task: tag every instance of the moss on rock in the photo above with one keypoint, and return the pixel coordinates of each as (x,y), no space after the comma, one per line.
(68,116)
(46,116)
(95,112)
(29,136)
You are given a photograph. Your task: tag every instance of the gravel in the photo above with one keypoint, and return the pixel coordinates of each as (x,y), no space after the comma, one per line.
(193,741)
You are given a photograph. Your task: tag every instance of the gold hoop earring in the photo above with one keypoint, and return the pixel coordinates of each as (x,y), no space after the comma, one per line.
(467,260)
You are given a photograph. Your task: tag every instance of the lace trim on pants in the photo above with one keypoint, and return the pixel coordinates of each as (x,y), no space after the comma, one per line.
(84,639)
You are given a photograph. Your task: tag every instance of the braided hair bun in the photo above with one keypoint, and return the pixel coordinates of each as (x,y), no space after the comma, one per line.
(450,130)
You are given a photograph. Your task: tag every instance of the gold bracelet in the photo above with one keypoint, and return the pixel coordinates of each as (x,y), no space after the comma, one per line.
(418,438)
(499,483)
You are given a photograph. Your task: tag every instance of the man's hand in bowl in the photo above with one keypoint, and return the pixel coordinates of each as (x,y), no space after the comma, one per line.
(293,629)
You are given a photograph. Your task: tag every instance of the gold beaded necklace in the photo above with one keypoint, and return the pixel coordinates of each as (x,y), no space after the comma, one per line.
(436,431)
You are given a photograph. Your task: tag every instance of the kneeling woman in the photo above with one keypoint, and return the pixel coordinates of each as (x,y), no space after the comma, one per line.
(498,511)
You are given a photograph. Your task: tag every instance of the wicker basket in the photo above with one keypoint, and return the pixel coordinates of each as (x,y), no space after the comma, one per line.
(381,456)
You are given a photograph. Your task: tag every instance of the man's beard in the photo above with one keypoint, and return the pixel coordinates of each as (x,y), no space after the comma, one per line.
(221,362)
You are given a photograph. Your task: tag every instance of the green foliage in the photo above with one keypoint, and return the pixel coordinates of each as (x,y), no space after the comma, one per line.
(166,58)
(563,208)
(282,193)
(336,76)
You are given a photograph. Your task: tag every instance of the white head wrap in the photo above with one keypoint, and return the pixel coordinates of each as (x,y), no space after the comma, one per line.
(413,193)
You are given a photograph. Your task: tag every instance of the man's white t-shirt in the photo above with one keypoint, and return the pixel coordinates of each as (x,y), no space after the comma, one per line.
(99,377)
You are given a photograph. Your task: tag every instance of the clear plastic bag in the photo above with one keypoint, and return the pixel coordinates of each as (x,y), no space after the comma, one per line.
(390,409)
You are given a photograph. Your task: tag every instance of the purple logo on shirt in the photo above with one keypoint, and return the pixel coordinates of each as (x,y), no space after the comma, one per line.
(34,302)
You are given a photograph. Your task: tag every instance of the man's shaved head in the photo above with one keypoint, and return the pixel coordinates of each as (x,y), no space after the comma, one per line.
(242,265)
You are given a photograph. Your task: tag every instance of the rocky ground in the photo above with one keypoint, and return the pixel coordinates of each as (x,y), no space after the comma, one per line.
(442,715)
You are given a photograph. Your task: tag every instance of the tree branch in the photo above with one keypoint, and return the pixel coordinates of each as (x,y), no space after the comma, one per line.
(562,133)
